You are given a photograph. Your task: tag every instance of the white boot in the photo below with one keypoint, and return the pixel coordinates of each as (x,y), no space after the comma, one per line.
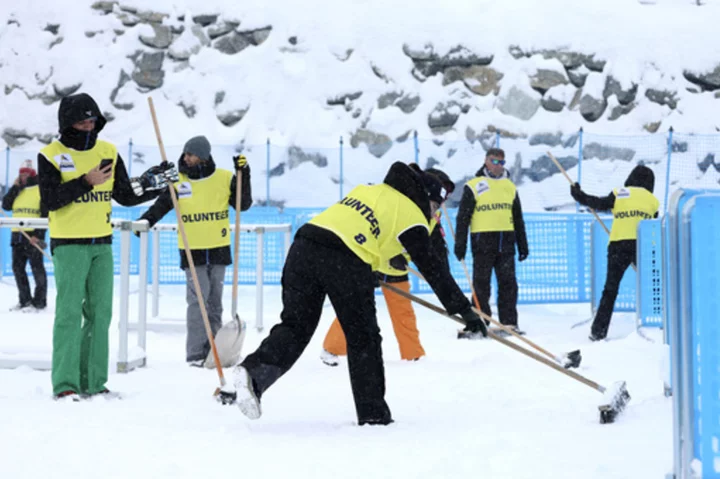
(329,358)
(247,401)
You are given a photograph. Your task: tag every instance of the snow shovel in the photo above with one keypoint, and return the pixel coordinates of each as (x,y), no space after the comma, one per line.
(615,397)
(230,337)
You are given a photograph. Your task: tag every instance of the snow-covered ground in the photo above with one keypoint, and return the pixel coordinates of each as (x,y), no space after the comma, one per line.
(469,409)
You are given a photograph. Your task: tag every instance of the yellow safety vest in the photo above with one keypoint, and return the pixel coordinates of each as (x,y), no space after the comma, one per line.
(27,205)
(632,204)
(369,221)
(89,215)
(204,209)
(493,204)
(388,270)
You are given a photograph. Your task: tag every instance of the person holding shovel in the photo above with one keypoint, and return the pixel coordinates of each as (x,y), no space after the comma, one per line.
(23,199)
(629,205)
(205,193)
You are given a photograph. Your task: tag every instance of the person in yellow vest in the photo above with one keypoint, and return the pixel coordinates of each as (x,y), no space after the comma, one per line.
(490,208)
(335,255)
(204,194)
(23,199)
(79,177)
(402,314)
(630,204)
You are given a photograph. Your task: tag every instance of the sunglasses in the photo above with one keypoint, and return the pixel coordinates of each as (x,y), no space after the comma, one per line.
(496,161)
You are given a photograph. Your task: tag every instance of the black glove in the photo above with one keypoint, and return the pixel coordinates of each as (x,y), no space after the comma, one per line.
(460,250)
(522,256)
(399,262)
(575,191)
(155,178)
(473,322)
(240,162)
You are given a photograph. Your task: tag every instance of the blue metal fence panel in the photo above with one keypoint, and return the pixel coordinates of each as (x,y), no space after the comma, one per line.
(705,304)
(649,274)
(626,296)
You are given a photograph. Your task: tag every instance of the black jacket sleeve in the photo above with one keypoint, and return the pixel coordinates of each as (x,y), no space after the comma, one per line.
(464,216)
(55,194)
(40,233)
(10,196)
(122,188)
(519,226)
(246,200)
(605,203)
(159,209)
(438,246)
(416,242)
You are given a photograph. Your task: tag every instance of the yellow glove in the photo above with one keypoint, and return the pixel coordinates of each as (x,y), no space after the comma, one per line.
(240,162)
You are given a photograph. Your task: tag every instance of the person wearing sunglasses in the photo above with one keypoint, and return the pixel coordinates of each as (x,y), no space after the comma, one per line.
(490,208)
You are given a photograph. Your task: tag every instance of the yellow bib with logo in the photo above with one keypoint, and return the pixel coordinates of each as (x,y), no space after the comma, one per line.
(89,215)
(387,269)
(632,205)
(369,221)
(493,204)
(204,209)
(27,205)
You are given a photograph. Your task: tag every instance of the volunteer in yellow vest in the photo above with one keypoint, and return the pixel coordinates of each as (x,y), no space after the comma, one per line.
(490,208)
(78,192)
(335,255)
(629,205)
(402,314)
(204,194)
(23,199)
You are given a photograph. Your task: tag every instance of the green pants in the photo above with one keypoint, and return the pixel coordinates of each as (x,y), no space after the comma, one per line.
(83,311)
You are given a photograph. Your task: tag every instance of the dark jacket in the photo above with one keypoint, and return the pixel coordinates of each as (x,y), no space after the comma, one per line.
(490,240)
(17,238)
(640,177)
(416,240)
(55,193)
(164,204)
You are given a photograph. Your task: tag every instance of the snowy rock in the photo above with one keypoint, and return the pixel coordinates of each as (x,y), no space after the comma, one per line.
(428,63)
(578,76)
(63,91)
(444,116)
(377,143)
(297,156)
(161,37)
(189,43)
(258,36)
(480,80)
(148,73)
(604,152)
(232,117)
(14,137)
(544,167)
(543,80)
(592,108)
(124,78)
(104,7)
(219,29)
(232,43)
(388,99)
(205,19)
(619,110)
(709,80)
(548,139)
(408,103)
(625,95)
(519,103)
(343,99)
(661,97)
(552,105)
(652,127)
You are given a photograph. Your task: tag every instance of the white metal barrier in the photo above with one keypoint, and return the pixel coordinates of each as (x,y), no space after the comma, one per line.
(259,230)
(126,360)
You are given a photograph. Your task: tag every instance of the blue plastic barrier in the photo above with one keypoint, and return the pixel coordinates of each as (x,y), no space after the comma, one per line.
(649,274)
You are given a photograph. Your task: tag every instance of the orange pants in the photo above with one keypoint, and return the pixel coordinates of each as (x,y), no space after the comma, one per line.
(404,324)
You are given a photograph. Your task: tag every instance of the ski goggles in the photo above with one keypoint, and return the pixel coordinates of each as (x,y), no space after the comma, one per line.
(497,161)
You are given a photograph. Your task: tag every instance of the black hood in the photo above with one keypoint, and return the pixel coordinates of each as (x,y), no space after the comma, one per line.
(642,177)
(410,183)
(199,171)
(76,108)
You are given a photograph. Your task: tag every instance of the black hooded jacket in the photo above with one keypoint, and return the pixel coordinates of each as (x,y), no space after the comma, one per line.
(490,240)
(416,240)
(640,177)
(55,193)
(8,201)
(163,205)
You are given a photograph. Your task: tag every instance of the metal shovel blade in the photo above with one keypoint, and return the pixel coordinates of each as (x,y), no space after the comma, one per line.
(229,342)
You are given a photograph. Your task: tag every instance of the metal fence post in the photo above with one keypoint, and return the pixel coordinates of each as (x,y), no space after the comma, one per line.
(416,146)
(267,174)
(667,169)
(580,161)
(341,168)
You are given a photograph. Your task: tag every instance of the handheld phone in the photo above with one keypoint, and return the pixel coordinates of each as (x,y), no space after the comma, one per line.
(105,163)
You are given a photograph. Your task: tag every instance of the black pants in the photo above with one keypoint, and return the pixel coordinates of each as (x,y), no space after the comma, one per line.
(21,254)
(313,271)
(621,254)
(487,257)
